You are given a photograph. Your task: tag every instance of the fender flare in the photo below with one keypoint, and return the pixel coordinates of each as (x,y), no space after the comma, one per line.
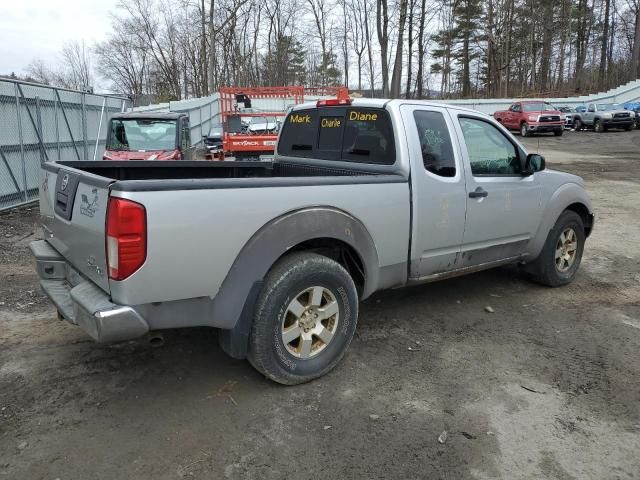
(275,239)
(566,195)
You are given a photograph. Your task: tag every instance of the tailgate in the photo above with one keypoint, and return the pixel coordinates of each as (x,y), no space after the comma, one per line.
(73,205)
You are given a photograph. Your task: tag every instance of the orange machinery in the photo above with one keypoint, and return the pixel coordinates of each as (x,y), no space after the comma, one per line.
(245,143)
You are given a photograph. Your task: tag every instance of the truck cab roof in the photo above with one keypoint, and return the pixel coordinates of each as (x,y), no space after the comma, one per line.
(149,115)
(391,103)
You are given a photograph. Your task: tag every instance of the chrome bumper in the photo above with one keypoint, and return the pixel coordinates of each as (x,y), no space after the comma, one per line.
(81,302)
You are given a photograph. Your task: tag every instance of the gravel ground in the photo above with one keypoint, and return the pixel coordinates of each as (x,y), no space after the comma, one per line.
(547,386)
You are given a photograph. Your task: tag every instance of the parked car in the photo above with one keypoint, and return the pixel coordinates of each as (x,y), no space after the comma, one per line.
(362,195)
(603,116)
(532,117)
(569,113)
(635,108)
(148,136)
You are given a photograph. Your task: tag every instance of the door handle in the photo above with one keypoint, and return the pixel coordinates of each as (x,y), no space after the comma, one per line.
(478,193)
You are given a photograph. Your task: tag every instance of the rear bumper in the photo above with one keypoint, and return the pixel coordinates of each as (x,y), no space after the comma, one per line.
(81,302)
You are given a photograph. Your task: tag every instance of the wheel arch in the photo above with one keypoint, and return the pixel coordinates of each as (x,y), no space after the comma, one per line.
(327,230)
(587,217)
(569,196)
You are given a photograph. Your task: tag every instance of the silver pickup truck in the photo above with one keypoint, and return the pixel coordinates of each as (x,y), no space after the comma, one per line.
(603,116)
(361,195)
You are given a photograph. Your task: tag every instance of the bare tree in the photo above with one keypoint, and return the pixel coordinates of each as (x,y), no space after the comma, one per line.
(123,61)
(382,27)
(39,71)
(635,54)
(75,72)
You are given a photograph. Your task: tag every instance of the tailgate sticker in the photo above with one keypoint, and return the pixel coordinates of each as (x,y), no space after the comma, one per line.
(88,207)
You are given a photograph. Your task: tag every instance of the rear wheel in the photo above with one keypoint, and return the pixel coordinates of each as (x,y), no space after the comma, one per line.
(524,129)
(561,255)
(305,319)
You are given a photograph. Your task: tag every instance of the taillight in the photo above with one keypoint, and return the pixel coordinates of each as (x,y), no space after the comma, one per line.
(126,237)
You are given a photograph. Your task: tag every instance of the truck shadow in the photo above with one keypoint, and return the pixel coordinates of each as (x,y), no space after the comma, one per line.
(418,367)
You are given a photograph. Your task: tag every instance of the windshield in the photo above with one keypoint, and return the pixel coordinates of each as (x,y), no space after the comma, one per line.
(603,107)
(142,135)
(538,107)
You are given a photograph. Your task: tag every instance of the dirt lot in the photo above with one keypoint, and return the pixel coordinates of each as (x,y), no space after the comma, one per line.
(547,386)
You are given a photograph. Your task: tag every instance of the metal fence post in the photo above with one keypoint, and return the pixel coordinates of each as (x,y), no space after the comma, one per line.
(66,121)
(55,116)
(21,140)
(39,125)
(95,152)
(33,123)
(84,126)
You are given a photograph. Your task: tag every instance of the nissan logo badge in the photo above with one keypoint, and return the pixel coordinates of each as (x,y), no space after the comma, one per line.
(65,182)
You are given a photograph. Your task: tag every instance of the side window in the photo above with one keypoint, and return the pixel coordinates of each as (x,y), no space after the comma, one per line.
(592,108)
(490,152)
(516,108)
(435,143)
(368,137)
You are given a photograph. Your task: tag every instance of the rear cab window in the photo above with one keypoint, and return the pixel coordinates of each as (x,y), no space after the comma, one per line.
(348,134)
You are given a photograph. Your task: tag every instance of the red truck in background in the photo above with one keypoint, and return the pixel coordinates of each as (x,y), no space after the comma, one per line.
(148,136)
(532,117)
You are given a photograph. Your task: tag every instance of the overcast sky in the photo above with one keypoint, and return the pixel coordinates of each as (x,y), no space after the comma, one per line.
(39,28)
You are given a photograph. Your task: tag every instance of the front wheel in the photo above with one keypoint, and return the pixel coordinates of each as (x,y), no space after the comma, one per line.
(561,255)
(598,126)
(629,127)
(305,319)
(558,133)
(524,130)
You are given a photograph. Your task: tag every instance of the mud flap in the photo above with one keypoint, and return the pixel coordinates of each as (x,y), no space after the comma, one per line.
(235,342)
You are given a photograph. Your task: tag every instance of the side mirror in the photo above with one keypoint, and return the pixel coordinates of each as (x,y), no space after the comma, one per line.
(534,163)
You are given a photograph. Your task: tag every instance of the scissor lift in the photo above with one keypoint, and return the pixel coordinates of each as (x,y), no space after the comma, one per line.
(241,143)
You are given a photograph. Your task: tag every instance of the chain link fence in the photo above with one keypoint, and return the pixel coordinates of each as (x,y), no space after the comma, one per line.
(39,124)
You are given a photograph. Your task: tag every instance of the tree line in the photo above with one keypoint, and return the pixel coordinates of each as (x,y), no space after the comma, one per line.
(162,50)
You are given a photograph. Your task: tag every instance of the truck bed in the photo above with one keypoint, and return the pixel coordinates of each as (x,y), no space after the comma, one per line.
(189,175)
(159,170)
(200,215)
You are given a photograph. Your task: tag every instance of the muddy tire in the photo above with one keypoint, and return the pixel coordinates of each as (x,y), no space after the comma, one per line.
(561,255)
(598,127)
(304,320)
